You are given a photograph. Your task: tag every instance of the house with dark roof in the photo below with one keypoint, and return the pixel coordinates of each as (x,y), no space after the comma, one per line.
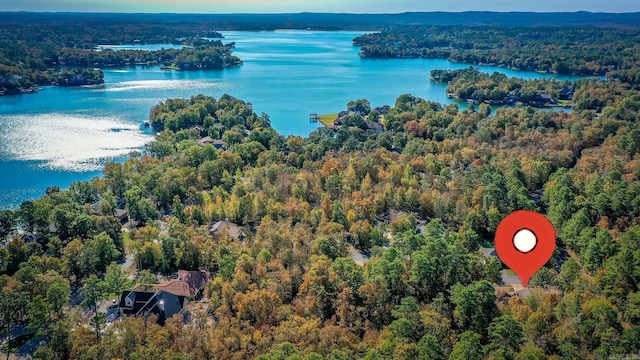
(375,126)
(95,208)
(565,93)
(160,303)
(208,140)
(132,301)
(220,227)
(389,217)
(543,99)
(199,129)
(343,115)
(383,109)
(120,213)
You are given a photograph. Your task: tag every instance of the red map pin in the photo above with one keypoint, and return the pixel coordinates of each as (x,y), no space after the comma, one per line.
(525,241)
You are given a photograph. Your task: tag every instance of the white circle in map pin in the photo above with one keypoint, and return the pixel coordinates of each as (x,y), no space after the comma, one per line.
(525,240)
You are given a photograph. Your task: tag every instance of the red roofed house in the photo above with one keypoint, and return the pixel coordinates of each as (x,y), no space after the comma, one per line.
(189,284)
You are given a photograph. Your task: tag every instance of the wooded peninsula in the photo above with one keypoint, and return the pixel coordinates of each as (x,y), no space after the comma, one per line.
(68,53)
(560,50)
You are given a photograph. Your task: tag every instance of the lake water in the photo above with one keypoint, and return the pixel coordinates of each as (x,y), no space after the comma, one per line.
(60,135)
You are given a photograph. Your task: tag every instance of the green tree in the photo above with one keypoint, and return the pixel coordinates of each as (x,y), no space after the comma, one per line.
(103,251)
(178,208)
(92,290)
(7,223)
(474,305)
(112,227)
(38,313)
(13,304)
(116,178)
(169,256)
(560,198)
(115,280)
(63,217)
(331,246)
(430,348)
(361,232)
(98,323)
(108,204)
(337,213)
(333,186)
(505,333)
(598,250)
(363,106)
(18,253)
(84,192)
(146,278)
(468,348)
(58,296)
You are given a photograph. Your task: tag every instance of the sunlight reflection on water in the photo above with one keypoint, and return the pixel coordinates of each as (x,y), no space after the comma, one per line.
(157,85)
(69,142)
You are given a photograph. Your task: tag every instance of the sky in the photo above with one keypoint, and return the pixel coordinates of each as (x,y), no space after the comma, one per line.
(293,6)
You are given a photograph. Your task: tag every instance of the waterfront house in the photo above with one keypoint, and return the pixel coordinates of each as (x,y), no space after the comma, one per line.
(544,98)
(383,110)
(565,93)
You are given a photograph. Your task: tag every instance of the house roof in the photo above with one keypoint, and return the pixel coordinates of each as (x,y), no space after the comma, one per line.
(140,298)
(565,91)
(121,213)
(488,252)
(375,126)
(390,216)
(161,303)
(205,140)
(383,109)
(234,230)
(95,207)
(209,140)
(523,293)
(188,283)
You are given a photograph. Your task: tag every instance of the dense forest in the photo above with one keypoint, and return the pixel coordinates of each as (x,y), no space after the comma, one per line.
(576,51)
(292,288)
(66,53)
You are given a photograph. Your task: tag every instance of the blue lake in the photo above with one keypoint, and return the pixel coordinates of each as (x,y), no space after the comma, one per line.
(60,135)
